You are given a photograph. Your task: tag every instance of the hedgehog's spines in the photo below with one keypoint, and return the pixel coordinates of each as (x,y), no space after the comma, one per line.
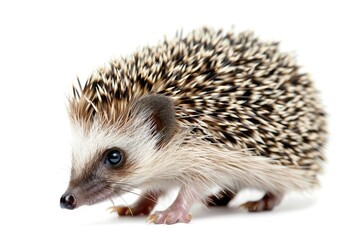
(237,91)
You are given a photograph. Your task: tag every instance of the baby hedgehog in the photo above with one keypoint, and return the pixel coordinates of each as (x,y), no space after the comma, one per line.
(212,113)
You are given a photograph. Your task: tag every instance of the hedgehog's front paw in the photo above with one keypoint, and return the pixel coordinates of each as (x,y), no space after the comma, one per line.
(169,217)
(132,211)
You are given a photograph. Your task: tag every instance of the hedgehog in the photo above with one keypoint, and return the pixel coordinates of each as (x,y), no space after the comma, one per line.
(210,114)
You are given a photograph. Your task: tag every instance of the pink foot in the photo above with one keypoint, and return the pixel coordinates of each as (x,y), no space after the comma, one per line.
(169,217)
(178,212)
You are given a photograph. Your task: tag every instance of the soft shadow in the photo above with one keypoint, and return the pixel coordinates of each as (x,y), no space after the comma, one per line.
(296,204)
(117,220)
(292,204)
(288,205)
(213,212)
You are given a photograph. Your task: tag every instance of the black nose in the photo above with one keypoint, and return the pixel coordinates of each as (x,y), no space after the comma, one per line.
(68,201)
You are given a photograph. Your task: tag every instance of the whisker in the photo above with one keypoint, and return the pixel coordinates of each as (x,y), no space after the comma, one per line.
(127,205)
(106,195)
(147,197)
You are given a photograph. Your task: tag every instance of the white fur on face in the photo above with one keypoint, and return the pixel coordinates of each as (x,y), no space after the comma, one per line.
(136,140)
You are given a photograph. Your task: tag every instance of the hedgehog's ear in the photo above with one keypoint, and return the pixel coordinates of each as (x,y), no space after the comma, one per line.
(162,114)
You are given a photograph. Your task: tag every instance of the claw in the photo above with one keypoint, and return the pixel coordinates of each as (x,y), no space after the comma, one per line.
(251,206)
(111,209)
(121,211)
(168,218)
(152,218)
(244,206)
(128,212)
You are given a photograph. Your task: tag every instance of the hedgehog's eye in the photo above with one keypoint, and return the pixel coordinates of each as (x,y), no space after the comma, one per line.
(114,157)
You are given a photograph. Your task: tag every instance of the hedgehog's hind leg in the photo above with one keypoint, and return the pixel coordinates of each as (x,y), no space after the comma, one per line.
(266,203)
(143,206)
(220,199)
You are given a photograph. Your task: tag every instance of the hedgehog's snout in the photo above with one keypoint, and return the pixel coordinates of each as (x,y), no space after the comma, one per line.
(68,201)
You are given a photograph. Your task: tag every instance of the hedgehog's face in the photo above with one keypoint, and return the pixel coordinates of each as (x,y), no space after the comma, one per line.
(109,160)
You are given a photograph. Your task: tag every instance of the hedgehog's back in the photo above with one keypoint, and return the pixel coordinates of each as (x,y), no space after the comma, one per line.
(233,90)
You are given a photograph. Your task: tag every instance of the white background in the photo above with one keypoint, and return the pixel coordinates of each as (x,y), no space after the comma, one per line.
(45,45)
